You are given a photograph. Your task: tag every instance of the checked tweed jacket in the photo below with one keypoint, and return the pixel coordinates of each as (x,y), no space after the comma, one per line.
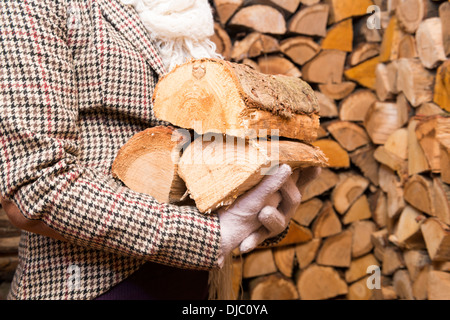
(76,80)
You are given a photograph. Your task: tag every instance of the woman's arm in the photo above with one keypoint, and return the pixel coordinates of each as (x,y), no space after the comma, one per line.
(39,146)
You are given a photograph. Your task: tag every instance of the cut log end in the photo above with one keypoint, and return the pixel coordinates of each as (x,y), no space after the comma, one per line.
(148,163)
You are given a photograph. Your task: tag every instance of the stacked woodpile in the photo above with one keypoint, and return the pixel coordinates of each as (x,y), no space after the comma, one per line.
(9,243)
(381,72)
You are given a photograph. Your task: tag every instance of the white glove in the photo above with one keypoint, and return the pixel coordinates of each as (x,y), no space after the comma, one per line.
(265,211)
(241,219)
(276,217)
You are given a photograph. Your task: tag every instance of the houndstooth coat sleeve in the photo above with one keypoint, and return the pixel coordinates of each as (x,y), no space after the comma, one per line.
(76,79)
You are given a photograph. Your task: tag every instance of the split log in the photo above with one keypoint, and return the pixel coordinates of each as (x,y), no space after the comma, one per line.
(350,187)
(226,8)
(148,163)
(429,42)
(332,285)
(326,67)
(343,9)
(299,49)
(407,47)
(410,13)
(392,36)
(327,106)
(416,261)
(437,239)
(273,287)
(426,135)
(407,230)
(225,97)
(285,6)
(362,242)
(428,109)
(393,161)
(359,210)
(419,193)
(217,169)
(284,259)
(441,200)
(414,81)
(403,285)
(382,119)
(392,260)
(417,161)
(327,222)
(336,250)
(253,45)
(363,34)
(364,51)
(378,206)
(339,37)
(310,21)
(222,41)
(420,284)
(380,242)
(404,109)
(258,263)
(444,14)
(442,86)
(324,182)
(364,73)
(359,290)
(443,130)
(348,134)
(295,235)
(385,82)
(385,293)
(364,159)
(438,286)
(445,164)
(278,65)
(307,211)
(392,185)
(397,143)
(337,91)
(336,155)
(306,252)
(358,268)
(356,105)
(260,18)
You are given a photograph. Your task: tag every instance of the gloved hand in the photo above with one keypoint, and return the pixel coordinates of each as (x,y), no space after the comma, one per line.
(275,219)
(264,211)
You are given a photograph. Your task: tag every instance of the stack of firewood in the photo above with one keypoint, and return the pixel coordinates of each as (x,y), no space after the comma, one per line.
(381,73)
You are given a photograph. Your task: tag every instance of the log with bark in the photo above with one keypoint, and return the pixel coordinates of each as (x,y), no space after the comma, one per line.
(230,98)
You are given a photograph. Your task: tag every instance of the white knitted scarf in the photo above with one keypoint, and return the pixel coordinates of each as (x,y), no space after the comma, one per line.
(181,29)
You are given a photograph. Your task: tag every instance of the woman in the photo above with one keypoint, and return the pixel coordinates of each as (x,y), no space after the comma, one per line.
(77,78)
